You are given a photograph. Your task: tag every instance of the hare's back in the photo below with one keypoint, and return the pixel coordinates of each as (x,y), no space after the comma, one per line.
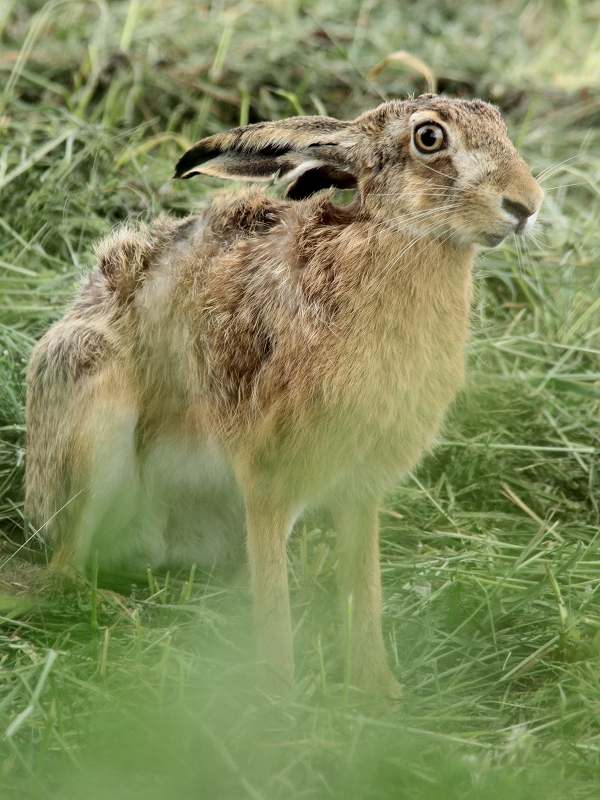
(133,261)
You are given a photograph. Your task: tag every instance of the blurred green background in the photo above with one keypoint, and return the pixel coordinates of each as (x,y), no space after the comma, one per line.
(145,688)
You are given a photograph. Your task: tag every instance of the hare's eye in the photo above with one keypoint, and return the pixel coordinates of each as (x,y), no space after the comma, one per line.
(429,138)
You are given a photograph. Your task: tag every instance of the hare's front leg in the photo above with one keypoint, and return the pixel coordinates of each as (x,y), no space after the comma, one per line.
(359,575)
(268,526)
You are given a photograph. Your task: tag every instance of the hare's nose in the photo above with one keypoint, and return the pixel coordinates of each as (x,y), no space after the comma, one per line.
(517,210)
(525,216)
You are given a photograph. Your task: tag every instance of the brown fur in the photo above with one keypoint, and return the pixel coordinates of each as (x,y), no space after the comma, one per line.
(272,355)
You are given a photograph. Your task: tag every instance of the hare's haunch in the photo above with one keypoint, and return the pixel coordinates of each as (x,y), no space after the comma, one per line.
(218,375)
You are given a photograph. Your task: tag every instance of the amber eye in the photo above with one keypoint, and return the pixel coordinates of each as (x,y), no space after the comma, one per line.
(429,138)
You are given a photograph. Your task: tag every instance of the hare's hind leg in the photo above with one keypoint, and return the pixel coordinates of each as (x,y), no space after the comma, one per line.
(80,453)
(359,579)
(104,475)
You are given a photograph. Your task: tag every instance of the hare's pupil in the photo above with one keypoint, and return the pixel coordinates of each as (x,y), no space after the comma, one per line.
(429,137)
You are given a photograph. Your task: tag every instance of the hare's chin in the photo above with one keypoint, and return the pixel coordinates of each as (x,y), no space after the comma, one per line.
(492,239)
(523,228)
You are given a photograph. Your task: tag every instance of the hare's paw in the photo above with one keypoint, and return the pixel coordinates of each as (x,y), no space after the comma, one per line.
(376,678)
(392,688)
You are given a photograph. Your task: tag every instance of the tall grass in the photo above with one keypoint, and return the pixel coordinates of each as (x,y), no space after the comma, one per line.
(489,552)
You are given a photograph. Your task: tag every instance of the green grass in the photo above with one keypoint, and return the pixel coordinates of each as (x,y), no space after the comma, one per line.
(490,553)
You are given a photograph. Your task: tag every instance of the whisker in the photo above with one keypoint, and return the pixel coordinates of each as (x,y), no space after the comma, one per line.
(392,264)
(412,217)
(519,255)
(429,244)
(429,190)
(416,235)
(469,185)
(564,186)
(546,173)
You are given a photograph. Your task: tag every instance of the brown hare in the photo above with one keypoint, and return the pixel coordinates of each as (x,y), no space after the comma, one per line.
(218,375)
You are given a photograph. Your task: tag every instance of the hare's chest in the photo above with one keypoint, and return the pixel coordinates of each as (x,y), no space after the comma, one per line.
(408,368)
(398,391)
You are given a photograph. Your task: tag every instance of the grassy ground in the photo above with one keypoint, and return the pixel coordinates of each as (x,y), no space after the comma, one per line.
(489,553)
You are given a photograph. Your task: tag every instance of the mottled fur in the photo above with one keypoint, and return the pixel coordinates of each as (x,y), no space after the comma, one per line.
(218,375)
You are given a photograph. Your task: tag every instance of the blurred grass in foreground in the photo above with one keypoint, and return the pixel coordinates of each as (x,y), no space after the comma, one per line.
(489,554)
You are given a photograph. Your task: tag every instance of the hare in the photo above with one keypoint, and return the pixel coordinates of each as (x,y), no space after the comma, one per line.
(218,375)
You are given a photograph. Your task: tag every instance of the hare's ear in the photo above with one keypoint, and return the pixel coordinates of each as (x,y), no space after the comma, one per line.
(311,150)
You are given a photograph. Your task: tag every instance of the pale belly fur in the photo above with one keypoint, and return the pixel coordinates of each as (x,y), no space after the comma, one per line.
(179,505)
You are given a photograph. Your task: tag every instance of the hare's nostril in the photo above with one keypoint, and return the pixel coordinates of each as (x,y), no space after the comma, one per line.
(517,210)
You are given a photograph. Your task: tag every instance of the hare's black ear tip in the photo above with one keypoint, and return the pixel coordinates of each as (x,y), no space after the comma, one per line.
(179,171)
(183,171)
(185,166)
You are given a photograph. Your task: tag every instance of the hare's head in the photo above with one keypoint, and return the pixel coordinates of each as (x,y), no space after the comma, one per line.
(430,167)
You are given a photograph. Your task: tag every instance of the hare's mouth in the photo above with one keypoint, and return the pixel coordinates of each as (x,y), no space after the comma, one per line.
(526,224)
